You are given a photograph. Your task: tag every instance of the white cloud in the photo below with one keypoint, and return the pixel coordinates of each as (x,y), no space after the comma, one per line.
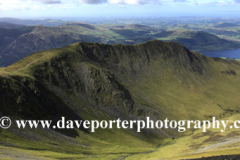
(207,2)
(134,2)
(46,1)
(28,4)
(180,0)
(51,1)
(37,7)
(92,1)
(119,2)
(40,4)
(213,3)
(13,5)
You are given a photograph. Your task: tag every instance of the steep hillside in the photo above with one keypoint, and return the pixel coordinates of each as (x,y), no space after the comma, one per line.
(99,81)
(16,46)
(7,36)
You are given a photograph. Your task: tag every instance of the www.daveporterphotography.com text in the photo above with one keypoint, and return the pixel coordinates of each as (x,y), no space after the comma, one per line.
(139,125)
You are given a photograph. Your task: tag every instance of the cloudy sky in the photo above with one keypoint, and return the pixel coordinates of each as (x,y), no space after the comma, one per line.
(118,8)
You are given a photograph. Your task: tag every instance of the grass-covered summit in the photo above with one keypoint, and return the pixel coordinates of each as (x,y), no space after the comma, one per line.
(99,81)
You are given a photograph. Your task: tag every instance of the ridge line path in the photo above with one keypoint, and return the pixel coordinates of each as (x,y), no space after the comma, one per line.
(34,61)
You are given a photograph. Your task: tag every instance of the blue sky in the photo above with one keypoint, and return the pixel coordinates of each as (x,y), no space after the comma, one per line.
(118,8)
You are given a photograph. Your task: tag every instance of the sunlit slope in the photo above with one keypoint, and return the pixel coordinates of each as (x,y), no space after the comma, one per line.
(200,144)
(97,81)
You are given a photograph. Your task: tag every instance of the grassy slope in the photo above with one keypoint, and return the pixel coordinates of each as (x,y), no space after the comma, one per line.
(171,82)
(200,144)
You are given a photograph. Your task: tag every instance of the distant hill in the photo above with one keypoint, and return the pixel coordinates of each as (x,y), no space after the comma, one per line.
(196,40)
(8,36)
(17,44)
(10,25)
(226,25)
(137,26)
(88,26)
(31,22)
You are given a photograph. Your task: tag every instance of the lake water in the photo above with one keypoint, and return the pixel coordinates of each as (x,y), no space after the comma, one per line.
(234,53)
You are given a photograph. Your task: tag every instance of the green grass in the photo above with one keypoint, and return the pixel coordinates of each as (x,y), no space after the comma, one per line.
(102,145)
(189,147)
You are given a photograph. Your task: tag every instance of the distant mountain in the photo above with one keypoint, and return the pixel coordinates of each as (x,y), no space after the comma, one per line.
(31,22)
(92,81)
(10,25)
(137,26)
(7,37)
(226,25)
(20,43)
(85,25)
(196,40)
